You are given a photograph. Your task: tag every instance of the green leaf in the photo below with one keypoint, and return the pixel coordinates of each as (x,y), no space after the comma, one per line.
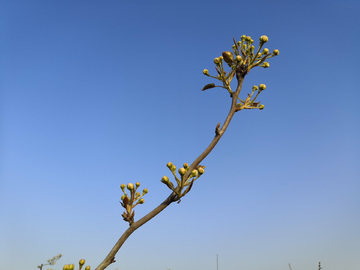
(208,86)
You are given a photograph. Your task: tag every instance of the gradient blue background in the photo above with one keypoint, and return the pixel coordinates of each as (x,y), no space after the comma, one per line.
(99,93)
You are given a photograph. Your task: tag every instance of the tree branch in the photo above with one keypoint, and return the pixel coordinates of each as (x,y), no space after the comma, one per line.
(110,258)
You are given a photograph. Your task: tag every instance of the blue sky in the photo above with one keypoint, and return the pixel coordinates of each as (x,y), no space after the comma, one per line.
(99,93)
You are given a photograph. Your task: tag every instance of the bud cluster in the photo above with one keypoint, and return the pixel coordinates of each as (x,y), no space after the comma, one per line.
(249,102)
(53,260)
(131,200)
(242,58)
(72,267)
(184,181)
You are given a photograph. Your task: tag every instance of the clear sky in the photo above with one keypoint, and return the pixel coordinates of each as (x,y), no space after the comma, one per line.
(99,93)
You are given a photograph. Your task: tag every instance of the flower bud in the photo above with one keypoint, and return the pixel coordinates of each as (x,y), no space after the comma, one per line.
(122,186)
(263,39)
(82,262)
(252,48)
(239,43)
(216,61)
(186,166)
(87,267)
(221,58)
(130,186)
(137,194)
(71,267)
(145,191)
(248,38)
(122,197)
(137,184)
(276,52)
(238,58)
(243,37)
(265,51)
(165,179)
(255,88)
(194,173)
(182,171)
(261,107)
(262,87)
(169,165)
(218,77)
(265,65)
(141,201)
(173,168)
(206,72)
(201,171)
(66,267)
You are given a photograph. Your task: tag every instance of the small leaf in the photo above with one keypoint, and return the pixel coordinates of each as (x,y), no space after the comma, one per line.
(228,57)
(191,184)
(126,200)
(208,86)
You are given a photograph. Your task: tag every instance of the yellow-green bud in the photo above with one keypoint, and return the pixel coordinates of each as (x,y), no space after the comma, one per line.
(265,65)
(137,184)
(66,267)
(82,262)
(206,72)
(173,168)
(122,197)
(262,87)
(141,201)
(248,38)
(165,179)
(201,171)
(263,39)
(238,58)
(182,171)
(145,191)
(72,267)
(194,173)
(255,88)
(169,165)
(239,43)
(221,58)
(186,166)
(276,52)
(130,186)
(216,61)
(137,194)
(122,186)
(252,48)
(261,107)
(87,267)
(243,37)
(218,77)
(265,51)
(259,55)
